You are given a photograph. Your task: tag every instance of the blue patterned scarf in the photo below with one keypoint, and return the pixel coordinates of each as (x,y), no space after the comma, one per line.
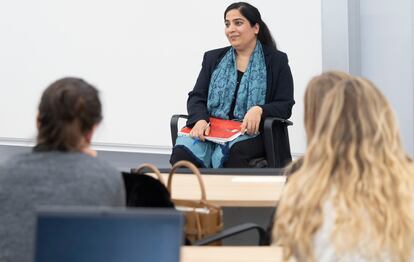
(252,89)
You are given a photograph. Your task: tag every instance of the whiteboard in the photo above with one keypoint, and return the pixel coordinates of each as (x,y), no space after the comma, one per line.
(143,56)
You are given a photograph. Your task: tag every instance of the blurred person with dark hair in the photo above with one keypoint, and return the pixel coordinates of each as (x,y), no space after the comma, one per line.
(62,170)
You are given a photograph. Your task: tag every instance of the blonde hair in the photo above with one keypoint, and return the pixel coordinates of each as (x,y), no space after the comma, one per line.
(314,95)
(315,92)
(356,158)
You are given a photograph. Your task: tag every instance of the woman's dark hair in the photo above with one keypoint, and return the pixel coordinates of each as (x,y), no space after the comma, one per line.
(68,109)
(253,15)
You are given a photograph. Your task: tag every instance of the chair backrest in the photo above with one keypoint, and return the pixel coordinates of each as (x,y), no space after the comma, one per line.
(145,191)
(276,140)
(108,234)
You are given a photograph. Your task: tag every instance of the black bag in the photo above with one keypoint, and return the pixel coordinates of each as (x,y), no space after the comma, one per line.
(143,190)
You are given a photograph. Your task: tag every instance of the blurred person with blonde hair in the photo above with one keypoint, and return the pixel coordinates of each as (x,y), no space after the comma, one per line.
(351,199)
(315,92)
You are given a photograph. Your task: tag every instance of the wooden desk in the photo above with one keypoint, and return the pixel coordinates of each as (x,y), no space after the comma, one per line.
(230,190)
(231,254)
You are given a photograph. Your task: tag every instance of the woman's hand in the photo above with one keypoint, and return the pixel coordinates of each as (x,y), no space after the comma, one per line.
(200,129)
(251,120)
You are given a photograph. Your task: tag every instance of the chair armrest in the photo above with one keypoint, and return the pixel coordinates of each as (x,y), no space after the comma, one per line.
(174,126)
(276,139)
(234,231)
(271,120)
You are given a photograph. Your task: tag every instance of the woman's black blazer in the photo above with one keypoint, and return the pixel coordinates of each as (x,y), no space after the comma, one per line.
(279,95)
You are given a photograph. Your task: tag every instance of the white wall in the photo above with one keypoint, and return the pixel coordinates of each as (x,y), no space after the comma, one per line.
(144,56)
(375,39)
(387,57)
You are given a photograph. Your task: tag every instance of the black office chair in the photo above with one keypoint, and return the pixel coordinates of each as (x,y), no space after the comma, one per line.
(235,230)
(275,136)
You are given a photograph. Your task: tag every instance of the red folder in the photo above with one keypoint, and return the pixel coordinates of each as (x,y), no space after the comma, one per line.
(221,130)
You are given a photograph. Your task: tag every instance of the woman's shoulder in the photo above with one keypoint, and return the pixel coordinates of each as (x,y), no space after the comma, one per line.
(272,53)
(47,164)
(65,160)
(12,163)
(212,57)
(216,53)
(95,163)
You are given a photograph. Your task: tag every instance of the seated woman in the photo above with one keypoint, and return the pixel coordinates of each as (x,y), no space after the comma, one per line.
(62,169)
(247,81)
(351,199)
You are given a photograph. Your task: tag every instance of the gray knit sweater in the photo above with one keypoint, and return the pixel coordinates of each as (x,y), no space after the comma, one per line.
(52,178)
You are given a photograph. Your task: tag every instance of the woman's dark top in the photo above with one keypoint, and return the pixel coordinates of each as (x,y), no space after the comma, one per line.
(233,102)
